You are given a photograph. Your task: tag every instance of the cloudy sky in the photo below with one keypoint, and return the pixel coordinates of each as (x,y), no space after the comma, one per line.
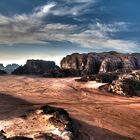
(51,29)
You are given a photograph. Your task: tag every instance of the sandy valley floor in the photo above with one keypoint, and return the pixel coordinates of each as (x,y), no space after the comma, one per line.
(100,116)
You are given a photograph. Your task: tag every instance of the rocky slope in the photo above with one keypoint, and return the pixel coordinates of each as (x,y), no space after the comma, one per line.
(36,67)
(44,123)
(93,63)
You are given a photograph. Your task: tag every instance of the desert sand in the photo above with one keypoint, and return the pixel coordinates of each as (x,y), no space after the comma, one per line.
(98,115)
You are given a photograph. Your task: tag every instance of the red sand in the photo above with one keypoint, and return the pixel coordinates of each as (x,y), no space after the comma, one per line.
(101,116)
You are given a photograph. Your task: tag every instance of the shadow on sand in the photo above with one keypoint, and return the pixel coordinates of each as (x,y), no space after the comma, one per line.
(11,106)
(89,132)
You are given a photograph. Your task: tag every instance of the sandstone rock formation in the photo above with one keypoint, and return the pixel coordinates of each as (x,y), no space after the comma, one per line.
(93,63)
(45,123)
(36,67)
(82,64)
(126,84)
(45,69)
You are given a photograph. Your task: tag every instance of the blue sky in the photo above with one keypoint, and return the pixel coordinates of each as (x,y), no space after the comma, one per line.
(51,29)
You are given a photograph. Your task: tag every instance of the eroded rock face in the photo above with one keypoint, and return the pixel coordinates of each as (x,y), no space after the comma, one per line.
(110,65)
(126,84)
(45,123)
(36,67)
(94,63)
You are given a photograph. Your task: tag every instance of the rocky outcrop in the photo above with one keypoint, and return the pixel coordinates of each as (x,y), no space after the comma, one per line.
(93,63)
(45,69)
(45,123)
(101,77)
(104,77)
(36,67)
(126,84)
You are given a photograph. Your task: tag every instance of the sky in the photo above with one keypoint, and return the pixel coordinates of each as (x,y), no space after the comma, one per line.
(52,29)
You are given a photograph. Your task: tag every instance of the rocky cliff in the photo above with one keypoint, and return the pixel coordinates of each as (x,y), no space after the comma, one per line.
(36,67)
(93,63)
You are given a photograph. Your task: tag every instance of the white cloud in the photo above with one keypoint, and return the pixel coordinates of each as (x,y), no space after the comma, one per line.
(114,27)
(80,1)
(43,10)
(67,10)
(72,7)
(32,29)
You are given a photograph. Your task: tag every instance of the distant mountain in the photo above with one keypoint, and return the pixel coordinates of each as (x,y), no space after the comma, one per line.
(9,68)
(36,67)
